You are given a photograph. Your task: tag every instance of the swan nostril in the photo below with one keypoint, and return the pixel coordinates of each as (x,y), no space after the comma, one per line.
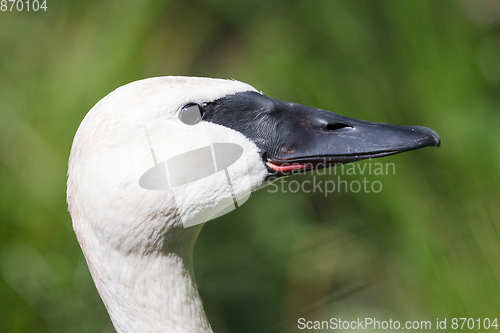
(336,126)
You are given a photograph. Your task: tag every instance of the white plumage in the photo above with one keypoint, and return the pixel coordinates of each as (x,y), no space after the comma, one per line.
(138,251)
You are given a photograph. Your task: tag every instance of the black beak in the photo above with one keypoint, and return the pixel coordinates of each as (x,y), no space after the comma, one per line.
(293,136)
(322,138)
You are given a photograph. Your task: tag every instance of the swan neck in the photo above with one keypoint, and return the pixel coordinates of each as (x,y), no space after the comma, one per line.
(150,293)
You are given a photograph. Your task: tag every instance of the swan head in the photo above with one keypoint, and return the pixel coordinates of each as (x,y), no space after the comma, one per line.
(157,156)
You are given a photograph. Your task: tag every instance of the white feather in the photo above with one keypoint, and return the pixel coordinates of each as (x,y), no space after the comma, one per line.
(137,250)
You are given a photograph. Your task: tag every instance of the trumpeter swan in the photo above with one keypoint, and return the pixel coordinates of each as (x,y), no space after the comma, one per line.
(139,187)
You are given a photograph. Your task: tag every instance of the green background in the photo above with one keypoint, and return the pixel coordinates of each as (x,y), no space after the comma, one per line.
(427,246)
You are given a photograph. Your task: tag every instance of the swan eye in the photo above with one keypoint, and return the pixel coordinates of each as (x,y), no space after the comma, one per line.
(190,114)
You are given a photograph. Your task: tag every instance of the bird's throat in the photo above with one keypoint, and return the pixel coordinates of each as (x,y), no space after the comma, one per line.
(149,293)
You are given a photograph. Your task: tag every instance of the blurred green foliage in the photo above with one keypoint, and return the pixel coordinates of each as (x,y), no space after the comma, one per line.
(426,247)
